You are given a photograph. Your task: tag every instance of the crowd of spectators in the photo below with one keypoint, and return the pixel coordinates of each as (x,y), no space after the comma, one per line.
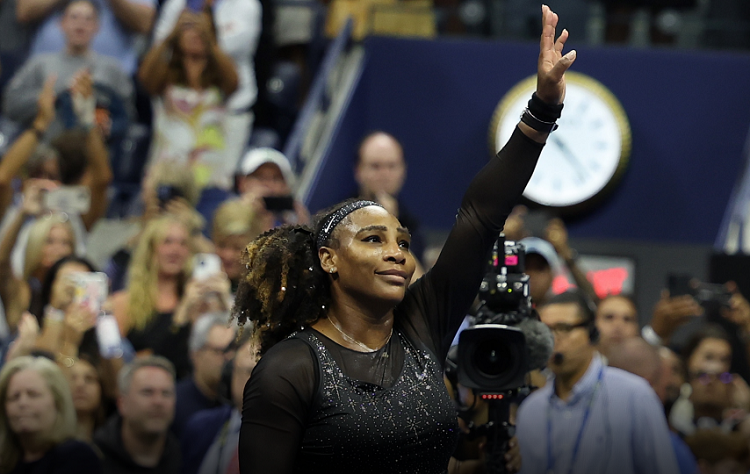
(150,379)
(693,418)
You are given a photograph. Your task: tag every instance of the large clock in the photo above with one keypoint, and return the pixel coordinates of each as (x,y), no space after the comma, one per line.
(585,157)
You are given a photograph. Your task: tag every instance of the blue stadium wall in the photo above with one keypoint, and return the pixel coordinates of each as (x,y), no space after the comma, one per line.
(689,113)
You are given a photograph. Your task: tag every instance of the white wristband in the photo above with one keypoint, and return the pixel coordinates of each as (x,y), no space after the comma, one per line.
(53,314)
(85,108)
(650,336)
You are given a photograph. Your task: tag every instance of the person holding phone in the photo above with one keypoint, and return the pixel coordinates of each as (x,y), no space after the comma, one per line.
(48,238)
(351,376)
(162,299)
(265,181)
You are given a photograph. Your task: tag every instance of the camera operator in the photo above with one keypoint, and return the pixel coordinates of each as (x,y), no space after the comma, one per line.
(590,418)
(487,373)
(469,455)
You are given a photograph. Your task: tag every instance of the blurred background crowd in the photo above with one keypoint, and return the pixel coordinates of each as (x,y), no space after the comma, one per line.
(144,143)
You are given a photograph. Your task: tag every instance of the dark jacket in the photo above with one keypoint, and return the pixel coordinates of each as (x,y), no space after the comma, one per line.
(68,457)
(199,434)
(118,461)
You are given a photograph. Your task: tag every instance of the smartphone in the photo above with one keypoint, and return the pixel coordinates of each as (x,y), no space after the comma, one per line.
(91,290)
(678,284)
(536,222)
(69,199)
(167,192)
(195,5)
(279,203)
(206,265)
(108,336)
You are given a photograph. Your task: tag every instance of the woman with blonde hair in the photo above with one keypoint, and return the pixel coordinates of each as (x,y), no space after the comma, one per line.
(50,238)
(156,309)
(234,226)
(167,188)
(38,421)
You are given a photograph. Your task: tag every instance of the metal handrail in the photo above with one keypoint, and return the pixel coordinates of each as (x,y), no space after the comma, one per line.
(316,96)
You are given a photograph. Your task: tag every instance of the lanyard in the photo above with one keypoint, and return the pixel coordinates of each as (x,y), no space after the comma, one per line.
(550,454)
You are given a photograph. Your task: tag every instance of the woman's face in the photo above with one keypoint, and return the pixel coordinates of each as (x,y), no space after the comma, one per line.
(59,244)
(192,46)
(173,251)
(229,249)
(712,355)
(84,385)
(30,405)
(372,261)
(617,320)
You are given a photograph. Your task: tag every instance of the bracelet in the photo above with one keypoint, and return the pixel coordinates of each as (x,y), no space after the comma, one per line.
(542,110)
(53,314)
(650,336)
(541,116)
(64,360)
(539,125)
(39,134)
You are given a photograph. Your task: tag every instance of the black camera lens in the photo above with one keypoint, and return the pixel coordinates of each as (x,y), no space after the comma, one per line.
(492,358)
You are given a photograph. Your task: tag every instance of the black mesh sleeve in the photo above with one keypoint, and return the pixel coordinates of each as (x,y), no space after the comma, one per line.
(277,402)
(436,304)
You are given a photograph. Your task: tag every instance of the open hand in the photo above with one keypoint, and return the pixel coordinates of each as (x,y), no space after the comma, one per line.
(45,114)
(513,456)
(81,83)
(671,313)
(557,235)
(78,320)
(515,224)
(33,195)
(28,329)
(551,67)
(739,308)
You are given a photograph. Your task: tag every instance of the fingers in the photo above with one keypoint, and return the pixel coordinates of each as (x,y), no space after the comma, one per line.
(49,84)
(560,43)
(549,23)
(562,65)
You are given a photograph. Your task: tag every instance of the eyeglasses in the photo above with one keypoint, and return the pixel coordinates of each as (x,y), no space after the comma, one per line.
(563,329)
(220,351)
(706,378)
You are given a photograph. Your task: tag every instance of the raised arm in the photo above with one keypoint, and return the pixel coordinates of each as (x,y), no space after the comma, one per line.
(13,290)
(98,174)
(447,291)
(227,70)
(24,146)
(154,68)
(135,16)
(29,11)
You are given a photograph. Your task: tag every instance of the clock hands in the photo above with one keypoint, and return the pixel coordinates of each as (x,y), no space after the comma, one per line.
(570,156)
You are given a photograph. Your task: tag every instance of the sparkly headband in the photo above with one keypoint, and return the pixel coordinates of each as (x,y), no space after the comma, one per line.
(334,219)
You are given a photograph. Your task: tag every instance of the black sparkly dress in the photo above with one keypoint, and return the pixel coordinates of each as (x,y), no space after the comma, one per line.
(313,406)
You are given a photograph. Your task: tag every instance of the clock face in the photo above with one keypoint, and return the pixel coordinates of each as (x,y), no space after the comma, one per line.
(585,155)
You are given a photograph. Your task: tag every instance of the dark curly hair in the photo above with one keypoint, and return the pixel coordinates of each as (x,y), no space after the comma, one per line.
(283,287)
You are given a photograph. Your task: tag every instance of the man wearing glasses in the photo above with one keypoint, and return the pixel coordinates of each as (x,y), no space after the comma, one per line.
(589,418)
(209,339)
